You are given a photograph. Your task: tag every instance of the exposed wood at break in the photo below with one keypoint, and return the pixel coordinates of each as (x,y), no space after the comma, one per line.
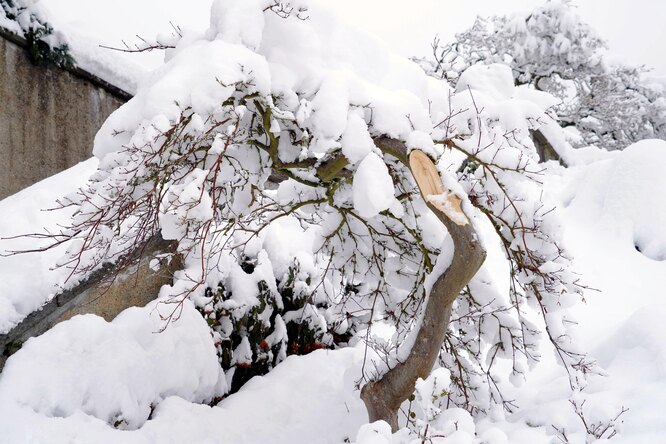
(431,187)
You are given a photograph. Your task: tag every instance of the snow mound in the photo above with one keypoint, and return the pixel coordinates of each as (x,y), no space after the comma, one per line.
(494,80)
(115,371)
(624,196)
(641,336)
(304,399)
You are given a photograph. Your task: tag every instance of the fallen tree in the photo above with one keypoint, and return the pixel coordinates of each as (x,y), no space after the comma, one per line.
(287,166)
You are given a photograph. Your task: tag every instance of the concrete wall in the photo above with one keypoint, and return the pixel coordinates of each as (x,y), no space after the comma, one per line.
(48,116)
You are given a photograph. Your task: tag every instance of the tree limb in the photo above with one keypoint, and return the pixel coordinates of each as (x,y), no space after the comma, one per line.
(384,396)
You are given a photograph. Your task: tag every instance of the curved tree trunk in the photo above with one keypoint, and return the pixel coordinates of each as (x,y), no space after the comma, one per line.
(383,397)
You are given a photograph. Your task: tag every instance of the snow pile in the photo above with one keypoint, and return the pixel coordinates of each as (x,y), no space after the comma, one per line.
(305,399)
(289,59)
(454,426)
(635,358)
(28,280)
(624,195)
(115,371)
(614,217)
(608,199)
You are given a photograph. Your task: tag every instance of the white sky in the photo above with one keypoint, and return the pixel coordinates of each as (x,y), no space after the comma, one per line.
(636,29)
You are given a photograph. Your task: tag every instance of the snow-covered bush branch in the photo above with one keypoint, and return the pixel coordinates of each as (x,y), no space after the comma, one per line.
(274,151)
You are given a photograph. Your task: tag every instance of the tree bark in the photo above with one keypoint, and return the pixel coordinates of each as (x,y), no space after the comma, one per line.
(383,397)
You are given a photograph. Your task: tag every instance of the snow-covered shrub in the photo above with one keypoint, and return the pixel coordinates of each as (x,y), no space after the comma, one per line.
(553,50)
(283,138)
(45,46)
(285,320)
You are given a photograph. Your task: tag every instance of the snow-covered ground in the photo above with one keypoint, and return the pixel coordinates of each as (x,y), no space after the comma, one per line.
(614,208)
(69,384)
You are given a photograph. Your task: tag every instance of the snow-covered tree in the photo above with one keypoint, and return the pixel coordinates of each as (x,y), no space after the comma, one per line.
(620,108)
(553,50)
(293,158)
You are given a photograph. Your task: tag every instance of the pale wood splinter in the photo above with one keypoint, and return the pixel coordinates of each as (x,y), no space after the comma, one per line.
(430,184)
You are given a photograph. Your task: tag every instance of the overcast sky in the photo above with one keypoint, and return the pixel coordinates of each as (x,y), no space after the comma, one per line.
(635,29)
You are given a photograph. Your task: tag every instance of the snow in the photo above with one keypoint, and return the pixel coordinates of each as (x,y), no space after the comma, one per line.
(115,371)
(611,204)
(238,22)
(311,398)
(28,281)
(10,25)
(87,26)
(305,399)
(635,359)
(372,187)
(428,391)
(494,80)
(444,203)
(623,196)
(356,141)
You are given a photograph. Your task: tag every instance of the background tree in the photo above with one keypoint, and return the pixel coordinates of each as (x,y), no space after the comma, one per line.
(285,161)
(611,105)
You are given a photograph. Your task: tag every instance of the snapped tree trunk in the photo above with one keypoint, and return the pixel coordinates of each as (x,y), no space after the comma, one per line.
(383,397)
